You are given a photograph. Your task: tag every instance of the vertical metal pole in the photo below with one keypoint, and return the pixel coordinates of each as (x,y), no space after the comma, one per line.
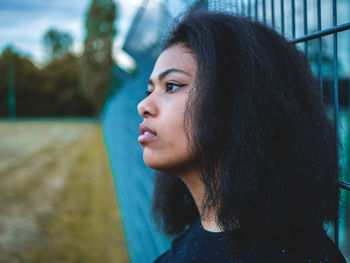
(336,106)
(305,26)
(11,85)
(256,10)
(213,5)
(249,8)
(282,16)
(319,28)
(273,13)
(264,10)
(242,7)
(293,19)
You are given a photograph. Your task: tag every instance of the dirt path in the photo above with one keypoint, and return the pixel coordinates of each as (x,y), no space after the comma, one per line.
(57,198)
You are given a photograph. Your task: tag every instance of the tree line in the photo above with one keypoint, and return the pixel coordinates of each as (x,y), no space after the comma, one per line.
(67,85)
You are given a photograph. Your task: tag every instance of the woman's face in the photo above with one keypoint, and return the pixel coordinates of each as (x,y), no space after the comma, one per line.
(162,138)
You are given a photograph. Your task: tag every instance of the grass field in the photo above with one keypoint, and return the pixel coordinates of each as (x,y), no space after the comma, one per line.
(57,197)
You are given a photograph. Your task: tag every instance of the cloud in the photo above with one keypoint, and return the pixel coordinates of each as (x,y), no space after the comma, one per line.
(23,23)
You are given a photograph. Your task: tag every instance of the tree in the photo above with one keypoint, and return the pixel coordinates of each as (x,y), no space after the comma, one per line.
(97,61)
(57,43)
(50,91)
(60,89)
(26,79)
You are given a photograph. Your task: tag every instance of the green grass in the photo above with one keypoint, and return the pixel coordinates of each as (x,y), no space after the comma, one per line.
(58,202)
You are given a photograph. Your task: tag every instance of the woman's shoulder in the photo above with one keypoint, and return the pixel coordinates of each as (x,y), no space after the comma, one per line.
(319,249)
(326,250)
(265,254)
(199,245)
(174,247)
(329,254)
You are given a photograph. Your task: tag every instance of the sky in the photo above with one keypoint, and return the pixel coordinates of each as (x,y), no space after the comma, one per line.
(24,22)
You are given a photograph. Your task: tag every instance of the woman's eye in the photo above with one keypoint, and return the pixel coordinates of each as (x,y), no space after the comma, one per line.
(174,86)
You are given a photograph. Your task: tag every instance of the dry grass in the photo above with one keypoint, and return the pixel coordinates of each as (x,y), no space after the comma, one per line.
(57,198)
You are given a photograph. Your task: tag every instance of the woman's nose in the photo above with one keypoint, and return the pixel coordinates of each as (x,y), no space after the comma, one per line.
(147,107)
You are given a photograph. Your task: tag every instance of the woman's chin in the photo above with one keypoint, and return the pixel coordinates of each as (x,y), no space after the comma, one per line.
(152,162)
(159,164)
(156,165)
(165,162)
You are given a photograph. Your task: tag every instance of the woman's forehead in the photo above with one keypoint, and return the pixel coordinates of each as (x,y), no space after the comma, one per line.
(178,57)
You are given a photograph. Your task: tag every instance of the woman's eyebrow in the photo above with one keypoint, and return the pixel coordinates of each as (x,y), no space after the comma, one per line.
(168,71)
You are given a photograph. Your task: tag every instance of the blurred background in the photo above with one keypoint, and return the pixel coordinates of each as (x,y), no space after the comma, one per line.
(73,184)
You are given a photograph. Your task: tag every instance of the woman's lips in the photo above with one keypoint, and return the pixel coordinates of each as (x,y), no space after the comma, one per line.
(147,136)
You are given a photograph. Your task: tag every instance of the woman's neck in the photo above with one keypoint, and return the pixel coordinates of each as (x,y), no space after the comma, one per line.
(192,179)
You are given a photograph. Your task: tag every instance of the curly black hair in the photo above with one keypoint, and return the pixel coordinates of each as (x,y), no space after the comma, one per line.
(258,131)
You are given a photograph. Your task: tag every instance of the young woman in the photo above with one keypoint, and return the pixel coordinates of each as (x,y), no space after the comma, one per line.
(233,118)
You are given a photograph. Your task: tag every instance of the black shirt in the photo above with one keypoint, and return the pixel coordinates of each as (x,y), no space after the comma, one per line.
(198,245)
